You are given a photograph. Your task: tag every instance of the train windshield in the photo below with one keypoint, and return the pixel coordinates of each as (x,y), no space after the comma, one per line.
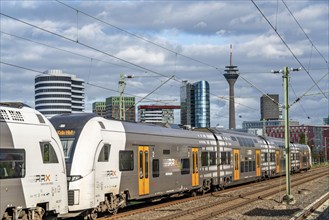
(67,144)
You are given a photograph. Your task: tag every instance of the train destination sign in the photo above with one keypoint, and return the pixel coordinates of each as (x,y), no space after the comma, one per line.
(65,132)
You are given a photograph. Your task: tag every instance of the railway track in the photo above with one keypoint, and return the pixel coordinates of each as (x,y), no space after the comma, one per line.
(213,209)
(219,205)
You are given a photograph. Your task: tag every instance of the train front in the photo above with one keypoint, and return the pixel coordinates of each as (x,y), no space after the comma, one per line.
(79,167)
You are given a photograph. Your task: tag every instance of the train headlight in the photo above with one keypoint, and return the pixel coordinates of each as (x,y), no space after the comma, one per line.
(73,178)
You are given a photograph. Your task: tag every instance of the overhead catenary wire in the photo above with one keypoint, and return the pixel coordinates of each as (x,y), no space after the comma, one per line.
(176,53)
(84,45)
(90,47)
(287,46)
(292,88)
(313,45)
(88,83)
(139,37)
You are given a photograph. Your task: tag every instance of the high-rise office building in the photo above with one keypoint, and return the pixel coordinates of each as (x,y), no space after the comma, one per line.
(195,104)
(269,108)
(57,92)
(162,114)
(187,103)
(202,104)
(113,108)
(99,108)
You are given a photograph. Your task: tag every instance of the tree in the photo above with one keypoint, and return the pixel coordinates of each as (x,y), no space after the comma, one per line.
(302,138)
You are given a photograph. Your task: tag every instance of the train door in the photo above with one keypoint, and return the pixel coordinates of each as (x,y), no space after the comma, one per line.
(301,159)
(143,170)
(236,154)
(257,162)
(195,173)
(277,161)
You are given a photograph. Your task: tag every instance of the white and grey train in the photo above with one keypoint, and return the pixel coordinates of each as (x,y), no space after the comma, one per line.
(109,163)
(32,166)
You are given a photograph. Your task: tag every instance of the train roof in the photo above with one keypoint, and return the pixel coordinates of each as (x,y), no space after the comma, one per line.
(14,104)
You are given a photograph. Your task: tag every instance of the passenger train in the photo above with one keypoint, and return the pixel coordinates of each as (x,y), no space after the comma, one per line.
(32,166)
(111,163)
(83,165)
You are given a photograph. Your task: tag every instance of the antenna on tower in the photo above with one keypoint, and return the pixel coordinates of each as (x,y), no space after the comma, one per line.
(230,54)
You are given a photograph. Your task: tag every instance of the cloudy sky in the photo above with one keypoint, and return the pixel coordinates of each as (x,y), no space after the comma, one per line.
(154,40)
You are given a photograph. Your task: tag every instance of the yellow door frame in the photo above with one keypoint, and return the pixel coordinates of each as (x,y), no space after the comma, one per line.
(277,161)
(195,169)
(257,162)
(143,170)
(236,165)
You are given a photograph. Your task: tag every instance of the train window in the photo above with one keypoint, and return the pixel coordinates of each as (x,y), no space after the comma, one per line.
(212,156)
(254,166)
(141,164)
(265,157)
(242,166)
(204,159)
(101,124)
(246,166)
(104,155)
(40,118)
(166,151)
(223,158)
(185,166)
(12,163)
(67,144)
(48,153)
(126,160)
(155,168)
(272,157)
(250,166)
(228,158)
(146,154)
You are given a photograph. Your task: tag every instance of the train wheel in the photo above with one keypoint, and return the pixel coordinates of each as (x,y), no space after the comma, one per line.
(92,215)
(193,194)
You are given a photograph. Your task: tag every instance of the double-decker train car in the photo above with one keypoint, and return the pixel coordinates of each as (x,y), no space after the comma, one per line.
(111,163)
(32,166)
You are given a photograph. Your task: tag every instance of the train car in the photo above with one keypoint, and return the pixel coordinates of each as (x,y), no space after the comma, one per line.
(32,167)
(273,160)
(111,163)
(240,157)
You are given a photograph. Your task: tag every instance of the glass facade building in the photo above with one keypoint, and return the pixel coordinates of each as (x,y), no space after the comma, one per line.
(195,104)
(58,93)
(202,104)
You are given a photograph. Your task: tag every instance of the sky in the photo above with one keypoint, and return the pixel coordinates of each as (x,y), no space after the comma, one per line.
(155,40)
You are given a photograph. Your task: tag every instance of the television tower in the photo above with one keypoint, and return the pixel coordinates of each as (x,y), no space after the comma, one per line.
(231,76)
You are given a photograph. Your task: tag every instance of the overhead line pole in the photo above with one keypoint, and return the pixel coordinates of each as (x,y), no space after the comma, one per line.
(288,198)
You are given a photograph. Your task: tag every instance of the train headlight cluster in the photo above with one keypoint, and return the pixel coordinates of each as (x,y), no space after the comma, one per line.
(73,178)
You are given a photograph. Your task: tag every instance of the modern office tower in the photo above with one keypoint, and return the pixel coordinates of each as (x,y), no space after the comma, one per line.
(202,104)
(195,104)
(231,76)
(99,108)
(113,108)
(269,108)
(161,114)
(187,104)
(57,92)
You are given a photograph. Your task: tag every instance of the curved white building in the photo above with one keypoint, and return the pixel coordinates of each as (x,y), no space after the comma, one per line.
(57,93)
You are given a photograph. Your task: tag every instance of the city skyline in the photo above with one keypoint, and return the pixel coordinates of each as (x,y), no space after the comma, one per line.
(200,30)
